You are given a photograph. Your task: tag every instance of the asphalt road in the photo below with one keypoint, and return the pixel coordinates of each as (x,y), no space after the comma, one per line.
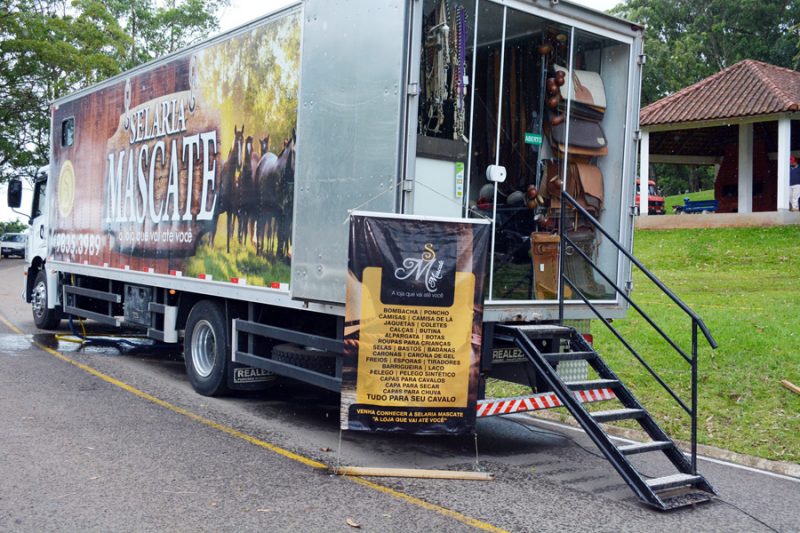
(97,441)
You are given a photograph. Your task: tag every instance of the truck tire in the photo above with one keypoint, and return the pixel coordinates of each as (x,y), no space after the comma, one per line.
(205,349)
(43,317)
(316,360)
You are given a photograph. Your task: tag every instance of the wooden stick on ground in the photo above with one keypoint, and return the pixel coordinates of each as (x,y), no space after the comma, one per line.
(411,472)
(791,386)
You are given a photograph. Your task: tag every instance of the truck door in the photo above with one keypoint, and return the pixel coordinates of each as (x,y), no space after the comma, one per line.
(480,107)
(37,238)
(487,98)
(440,72)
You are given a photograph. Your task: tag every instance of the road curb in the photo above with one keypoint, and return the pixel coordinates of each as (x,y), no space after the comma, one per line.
(712,452)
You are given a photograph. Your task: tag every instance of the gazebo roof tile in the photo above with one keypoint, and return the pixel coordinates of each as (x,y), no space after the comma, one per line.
(747,88)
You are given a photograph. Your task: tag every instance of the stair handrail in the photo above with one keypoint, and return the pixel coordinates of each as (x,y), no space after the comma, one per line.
(697,322)
(686,309)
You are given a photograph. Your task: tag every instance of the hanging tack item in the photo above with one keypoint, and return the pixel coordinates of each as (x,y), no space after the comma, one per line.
(552,102)
(532,194)
(437,47)
(552,86)
(516,199)
(544,49)
(487,191)
(558,119)
(458,68)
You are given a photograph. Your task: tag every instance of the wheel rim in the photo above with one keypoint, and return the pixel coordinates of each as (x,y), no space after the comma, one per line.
(39,299)
(204,348)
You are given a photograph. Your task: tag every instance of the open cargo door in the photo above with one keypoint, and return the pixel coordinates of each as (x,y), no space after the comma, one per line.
(538,93)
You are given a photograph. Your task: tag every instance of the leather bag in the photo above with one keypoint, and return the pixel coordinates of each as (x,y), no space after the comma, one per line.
(584,136)
(584,183)
(587,87)
(591,184)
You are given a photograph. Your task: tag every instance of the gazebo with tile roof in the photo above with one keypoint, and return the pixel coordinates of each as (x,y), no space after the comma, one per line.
(719,121)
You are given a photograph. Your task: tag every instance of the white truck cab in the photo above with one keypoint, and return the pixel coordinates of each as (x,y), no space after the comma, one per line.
(41,287)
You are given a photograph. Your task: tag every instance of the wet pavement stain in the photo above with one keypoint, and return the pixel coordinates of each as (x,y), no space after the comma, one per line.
(15,345)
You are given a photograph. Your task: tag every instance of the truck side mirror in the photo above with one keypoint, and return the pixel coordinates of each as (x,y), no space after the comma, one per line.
(14,193)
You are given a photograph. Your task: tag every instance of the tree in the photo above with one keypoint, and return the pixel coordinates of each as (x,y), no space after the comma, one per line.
(46,53)
(688,40)
(159,29)
(12,227)
(50,48)
(678,179)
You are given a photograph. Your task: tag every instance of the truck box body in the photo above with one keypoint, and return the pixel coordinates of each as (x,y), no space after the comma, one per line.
(229,168)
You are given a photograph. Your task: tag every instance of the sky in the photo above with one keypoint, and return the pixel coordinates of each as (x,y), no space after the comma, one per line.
(241,11)
(238,13)
(7,214)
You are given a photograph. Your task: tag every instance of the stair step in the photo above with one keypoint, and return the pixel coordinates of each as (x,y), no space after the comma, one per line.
(592,384)
(683,496)
(556,357)
(672,481)
(543,331)
(617,414)
(643,447)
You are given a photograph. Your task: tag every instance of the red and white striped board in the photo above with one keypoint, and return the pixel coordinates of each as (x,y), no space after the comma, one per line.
(538,402)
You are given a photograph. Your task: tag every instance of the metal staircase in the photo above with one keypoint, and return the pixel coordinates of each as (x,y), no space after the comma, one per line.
(684,486)
(659,492)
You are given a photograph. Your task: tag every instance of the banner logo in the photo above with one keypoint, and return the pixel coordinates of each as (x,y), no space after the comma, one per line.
(425,268)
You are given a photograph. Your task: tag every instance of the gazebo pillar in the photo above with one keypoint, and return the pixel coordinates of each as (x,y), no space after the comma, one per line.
(745,168)
(644,174)
(784,149)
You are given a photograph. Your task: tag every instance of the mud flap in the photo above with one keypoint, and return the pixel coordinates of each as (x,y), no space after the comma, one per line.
(247,378)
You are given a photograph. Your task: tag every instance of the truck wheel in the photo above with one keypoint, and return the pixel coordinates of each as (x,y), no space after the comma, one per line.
(205,349)
(316,360)
(43,317)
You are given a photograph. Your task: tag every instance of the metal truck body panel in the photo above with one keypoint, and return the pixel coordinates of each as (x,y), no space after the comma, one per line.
(350,125)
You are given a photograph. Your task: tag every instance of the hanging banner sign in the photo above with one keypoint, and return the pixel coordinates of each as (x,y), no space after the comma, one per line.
(413,323)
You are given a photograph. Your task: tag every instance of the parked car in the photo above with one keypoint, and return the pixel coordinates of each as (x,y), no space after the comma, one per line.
(13,244)
(655,202)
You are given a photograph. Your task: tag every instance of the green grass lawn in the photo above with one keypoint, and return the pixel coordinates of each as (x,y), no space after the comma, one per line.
(242,261)
(671,201)
(745,284)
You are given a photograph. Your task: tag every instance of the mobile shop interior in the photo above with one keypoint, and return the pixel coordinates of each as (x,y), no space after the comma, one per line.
(496,89)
